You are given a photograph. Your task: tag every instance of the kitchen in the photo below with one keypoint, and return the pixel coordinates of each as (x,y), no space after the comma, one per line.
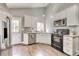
(38,25)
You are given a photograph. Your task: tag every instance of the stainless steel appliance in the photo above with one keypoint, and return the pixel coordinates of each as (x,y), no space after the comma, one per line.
(32,38)
(60,22)
(57,38)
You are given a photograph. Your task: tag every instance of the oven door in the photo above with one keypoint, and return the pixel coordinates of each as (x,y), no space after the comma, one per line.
(57,42)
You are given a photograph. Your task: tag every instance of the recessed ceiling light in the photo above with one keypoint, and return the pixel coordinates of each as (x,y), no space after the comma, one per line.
(51,16)
(44,15)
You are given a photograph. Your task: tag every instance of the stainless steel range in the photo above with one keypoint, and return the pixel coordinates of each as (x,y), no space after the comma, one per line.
(57,38)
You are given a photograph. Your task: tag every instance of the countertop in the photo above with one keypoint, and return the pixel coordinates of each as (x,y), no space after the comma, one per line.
(72,35)
(38,32)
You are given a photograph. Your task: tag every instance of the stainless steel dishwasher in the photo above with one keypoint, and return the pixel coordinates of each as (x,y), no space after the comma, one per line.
(32,38)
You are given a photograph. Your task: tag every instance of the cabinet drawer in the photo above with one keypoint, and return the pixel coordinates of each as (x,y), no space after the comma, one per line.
(68,38)
(68,41)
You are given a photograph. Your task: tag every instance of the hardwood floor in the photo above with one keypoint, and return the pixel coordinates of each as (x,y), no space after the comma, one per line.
(32,50)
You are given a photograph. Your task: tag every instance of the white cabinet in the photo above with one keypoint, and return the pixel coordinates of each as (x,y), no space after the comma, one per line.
(43,38)
(25,38)
(71,14)
(70,45)
(27,21)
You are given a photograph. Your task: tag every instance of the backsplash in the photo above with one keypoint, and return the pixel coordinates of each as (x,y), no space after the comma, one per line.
(72,29)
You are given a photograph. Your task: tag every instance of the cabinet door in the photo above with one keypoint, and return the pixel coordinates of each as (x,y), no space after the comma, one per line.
(72,16)
(44,38)
(27,21)
(68,51)
(25,39)
(68,45)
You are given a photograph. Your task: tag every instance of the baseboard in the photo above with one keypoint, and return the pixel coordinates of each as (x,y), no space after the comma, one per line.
(42,43)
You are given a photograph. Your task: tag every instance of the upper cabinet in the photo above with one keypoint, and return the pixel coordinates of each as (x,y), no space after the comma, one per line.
(27,21)
(71,15)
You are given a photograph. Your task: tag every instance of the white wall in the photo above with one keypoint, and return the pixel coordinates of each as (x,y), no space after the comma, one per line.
(36,13)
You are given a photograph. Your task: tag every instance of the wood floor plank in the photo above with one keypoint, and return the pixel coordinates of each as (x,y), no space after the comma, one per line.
(32,50)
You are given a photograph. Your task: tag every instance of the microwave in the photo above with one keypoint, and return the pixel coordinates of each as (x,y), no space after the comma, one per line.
(61,22)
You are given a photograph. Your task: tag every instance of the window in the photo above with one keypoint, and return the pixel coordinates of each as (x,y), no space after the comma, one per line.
(15,25)
(40,27)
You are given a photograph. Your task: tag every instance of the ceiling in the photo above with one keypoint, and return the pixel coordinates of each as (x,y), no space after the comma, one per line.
(26,5)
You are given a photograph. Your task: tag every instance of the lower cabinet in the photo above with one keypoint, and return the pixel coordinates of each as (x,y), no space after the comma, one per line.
(25,38)
(29,38)
(43,38)
(70,45)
